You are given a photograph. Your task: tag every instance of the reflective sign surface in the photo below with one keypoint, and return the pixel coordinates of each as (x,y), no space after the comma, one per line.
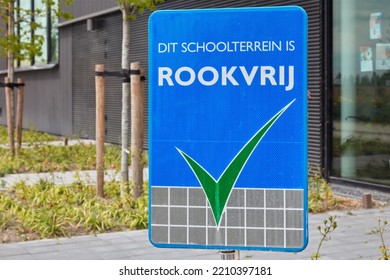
(228,128)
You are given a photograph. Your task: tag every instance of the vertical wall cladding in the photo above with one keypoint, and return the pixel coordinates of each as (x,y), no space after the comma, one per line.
(103,46)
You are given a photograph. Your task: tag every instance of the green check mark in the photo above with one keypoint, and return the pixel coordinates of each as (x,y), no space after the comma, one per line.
(218,191)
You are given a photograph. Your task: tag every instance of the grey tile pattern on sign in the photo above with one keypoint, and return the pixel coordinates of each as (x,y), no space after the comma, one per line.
(182,211)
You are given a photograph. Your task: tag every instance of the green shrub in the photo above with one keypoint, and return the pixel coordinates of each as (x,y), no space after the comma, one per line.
(49,211)
(57,158)
(321,197)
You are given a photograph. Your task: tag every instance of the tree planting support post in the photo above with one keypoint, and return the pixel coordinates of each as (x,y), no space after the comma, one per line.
(230,255)
(137,128)
(10,121)
(99,83)
(19,114)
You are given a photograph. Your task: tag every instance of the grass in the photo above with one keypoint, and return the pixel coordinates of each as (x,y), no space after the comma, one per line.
(29,136)
(57,158)
(49,158)
(48,211)
(45,210)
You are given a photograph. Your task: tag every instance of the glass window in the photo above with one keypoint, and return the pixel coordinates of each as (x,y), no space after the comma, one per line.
(361,90)
(54,38)
(24,30)
(46,32)
(42,31)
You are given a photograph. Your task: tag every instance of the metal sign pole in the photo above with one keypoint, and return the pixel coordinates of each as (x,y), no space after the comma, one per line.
(230,255)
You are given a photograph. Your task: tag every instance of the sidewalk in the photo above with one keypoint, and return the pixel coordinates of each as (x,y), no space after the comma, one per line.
(70,142)
(61,178)
(353,239)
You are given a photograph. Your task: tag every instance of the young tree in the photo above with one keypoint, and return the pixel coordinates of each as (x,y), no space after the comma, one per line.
(18,39)
(128,9)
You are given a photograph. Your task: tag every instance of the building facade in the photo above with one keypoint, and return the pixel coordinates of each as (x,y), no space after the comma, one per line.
(348,70)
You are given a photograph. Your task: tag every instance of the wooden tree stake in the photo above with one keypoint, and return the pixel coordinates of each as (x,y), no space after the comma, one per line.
(137,104)
(99,83)
(19,114)
(10,121)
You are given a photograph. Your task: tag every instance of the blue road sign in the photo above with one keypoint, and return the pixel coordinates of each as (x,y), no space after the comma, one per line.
(228,128)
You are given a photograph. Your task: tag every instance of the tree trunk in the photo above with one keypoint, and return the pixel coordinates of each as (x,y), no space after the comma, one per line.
(125,103)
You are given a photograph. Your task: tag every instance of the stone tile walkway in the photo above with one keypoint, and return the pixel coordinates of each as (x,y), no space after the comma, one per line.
(353,239)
